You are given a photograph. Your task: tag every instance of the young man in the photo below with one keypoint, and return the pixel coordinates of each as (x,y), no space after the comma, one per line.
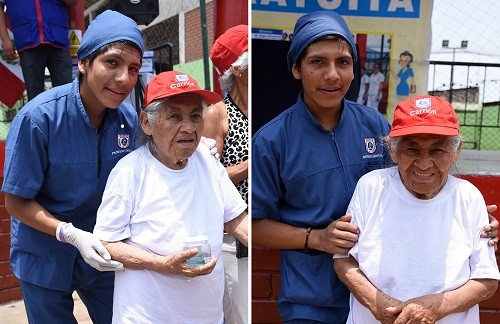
(60,150)
(305,165)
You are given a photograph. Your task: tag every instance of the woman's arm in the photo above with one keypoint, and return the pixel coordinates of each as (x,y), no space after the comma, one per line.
(365,292)
(411,83)
(431,308)
(239,227)
(238,172)
(215,124)
(133,257)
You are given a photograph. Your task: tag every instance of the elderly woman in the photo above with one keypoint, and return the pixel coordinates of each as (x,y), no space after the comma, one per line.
(419,257)
(166,192)
(227,120)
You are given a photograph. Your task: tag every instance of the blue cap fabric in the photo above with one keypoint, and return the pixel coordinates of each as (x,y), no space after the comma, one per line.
(312,26)
(108,27)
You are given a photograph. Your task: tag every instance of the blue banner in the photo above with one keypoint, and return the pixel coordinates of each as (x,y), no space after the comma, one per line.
(358,8)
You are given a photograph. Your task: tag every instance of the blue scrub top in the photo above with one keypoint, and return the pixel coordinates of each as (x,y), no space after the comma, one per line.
(56,157)
(304,175)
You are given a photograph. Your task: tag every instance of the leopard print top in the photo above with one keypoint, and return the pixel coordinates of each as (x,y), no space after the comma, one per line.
(235,148)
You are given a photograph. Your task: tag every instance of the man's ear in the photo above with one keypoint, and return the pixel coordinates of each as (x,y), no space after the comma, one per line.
(296,71)
(82,66)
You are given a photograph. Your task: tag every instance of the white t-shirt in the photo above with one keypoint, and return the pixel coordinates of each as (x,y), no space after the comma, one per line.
(375,80)
(362,87)
(409,247)
(156,208)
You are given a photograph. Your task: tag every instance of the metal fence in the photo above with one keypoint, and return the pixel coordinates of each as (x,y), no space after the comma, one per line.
(474,90)
(464,67)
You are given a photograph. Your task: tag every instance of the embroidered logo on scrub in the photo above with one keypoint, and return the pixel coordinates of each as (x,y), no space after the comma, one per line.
(370,145)
(123,140)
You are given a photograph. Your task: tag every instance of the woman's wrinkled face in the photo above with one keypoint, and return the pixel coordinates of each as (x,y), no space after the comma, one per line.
(176,130)
(424,162)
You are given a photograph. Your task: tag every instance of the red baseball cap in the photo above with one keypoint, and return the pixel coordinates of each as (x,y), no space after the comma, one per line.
(171,83)
(424,115)
(228,47)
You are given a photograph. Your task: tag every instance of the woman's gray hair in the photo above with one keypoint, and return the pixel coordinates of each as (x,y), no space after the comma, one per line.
(226,80)
(153,109)
(392,142)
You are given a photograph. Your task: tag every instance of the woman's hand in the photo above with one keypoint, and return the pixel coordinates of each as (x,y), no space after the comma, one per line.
(383,302)
(176,264)
(418,310)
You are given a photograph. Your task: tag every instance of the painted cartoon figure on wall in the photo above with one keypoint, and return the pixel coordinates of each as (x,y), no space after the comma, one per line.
(405,77)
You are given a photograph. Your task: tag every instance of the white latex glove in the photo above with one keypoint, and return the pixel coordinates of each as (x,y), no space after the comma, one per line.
(211,144)
(91,248)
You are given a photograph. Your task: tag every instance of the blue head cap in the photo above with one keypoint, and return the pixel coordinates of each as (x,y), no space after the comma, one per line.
(312,26)
(108,27)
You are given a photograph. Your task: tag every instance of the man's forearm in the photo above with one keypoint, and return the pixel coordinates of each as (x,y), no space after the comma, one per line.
(277,235)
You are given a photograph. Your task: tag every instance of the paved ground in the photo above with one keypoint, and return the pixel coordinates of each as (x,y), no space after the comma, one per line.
(479,162)
(14,312)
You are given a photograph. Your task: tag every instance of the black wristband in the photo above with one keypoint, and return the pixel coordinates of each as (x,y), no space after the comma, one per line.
(306,247)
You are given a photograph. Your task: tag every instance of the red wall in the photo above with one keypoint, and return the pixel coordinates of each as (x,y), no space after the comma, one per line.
(266,275)
(9,285)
